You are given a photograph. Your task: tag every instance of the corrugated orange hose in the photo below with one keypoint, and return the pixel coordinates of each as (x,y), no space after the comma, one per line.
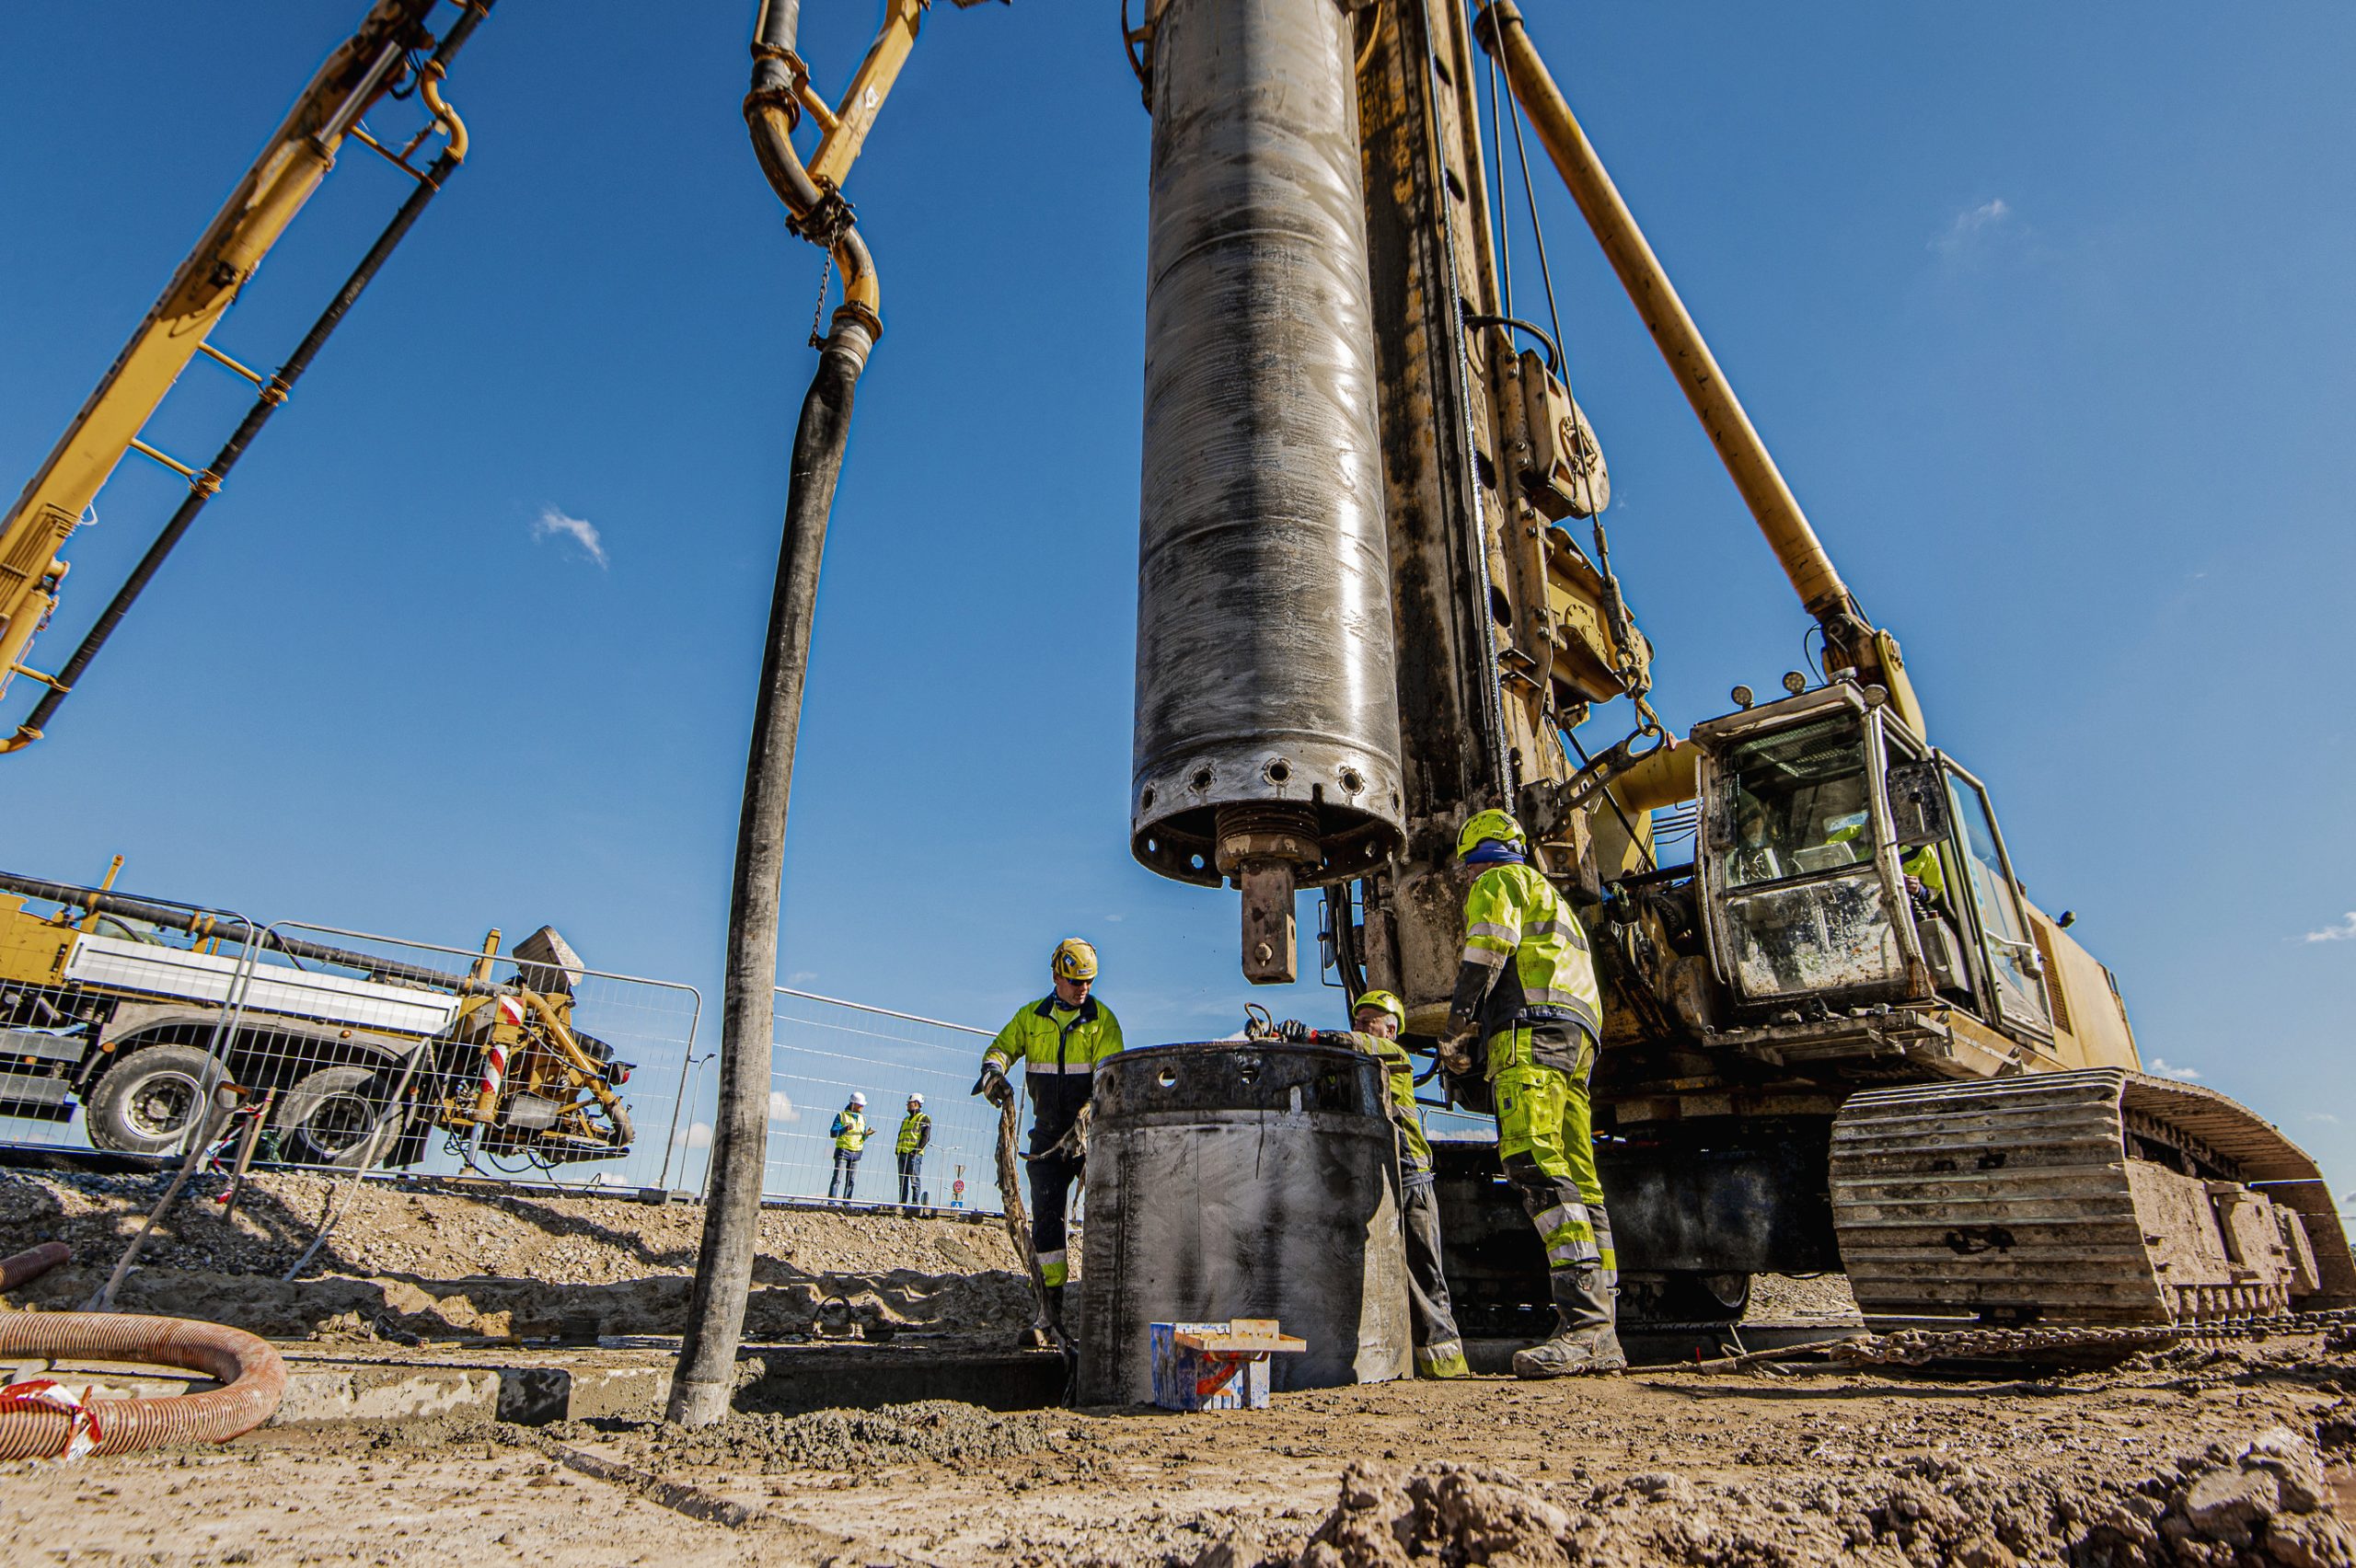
(254,1375)
(23,1267)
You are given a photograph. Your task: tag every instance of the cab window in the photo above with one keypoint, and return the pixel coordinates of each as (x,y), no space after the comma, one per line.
(1800,804)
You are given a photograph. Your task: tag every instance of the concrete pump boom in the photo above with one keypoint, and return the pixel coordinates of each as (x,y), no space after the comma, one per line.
(375,62)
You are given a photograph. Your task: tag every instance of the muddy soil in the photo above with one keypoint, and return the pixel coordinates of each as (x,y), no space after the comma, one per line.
(2205,1457)
(406,1263)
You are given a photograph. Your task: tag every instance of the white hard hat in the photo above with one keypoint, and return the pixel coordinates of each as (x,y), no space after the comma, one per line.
(915,1099)
(857,1098)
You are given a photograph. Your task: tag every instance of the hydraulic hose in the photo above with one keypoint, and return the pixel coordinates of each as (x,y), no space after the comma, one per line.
(706,1379)
(254,1380)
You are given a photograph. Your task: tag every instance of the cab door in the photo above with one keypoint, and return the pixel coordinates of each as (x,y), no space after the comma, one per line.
(2007,950)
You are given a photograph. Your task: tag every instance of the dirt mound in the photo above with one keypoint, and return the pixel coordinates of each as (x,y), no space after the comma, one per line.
(408,1311)
(1802,1297)
(438,1232)
(2265,1504)
(409,1263)
(939,1432)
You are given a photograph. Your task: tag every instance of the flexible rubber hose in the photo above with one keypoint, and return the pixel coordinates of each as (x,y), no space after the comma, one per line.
(25,1267)
(253,1376)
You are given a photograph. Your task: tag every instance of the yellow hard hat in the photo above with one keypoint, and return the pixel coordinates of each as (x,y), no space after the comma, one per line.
(1483,826)
(1382,1001)
(1075,960)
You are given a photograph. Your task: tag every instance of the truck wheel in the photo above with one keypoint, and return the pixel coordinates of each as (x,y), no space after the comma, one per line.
(149,1102)
(331,1116)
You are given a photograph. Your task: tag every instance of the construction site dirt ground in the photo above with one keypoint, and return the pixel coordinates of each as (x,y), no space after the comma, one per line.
(2208,1454)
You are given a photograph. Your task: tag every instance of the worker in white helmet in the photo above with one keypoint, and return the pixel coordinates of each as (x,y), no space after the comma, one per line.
(1058,1040)
(916,1132)
(850,1137)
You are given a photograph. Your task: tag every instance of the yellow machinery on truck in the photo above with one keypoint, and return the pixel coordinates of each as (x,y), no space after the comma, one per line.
(1840,1037)
(139,1009)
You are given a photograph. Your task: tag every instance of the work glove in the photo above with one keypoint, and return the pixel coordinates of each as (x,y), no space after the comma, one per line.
(1293,1030)
(1456,1048)
(992,1085)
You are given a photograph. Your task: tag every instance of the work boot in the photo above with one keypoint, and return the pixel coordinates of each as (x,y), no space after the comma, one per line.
(1585,1340)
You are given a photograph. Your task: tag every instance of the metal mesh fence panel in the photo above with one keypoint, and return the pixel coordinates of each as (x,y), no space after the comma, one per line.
(538,1067)
(302,1044)
(825,1050)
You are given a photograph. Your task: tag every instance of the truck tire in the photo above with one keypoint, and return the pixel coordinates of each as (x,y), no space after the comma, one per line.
(149,1102)
(336,1118)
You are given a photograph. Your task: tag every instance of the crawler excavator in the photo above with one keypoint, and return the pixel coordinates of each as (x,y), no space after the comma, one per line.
(1841,1037)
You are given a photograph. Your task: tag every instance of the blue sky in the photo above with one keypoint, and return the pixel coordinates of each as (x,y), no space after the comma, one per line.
(2045,312)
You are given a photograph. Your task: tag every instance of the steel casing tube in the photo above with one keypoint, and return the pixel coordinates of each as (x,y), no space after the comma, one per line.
(1243,1179)
(1264,657)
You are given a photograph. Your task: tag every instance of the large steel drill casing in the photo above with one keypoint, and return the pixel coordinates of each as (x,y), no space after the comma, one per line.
(1264,657)
(1230,1179)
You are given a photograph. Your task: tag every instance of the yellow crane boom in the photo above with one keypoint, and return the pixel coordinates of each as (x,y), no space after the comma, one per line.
(375,61)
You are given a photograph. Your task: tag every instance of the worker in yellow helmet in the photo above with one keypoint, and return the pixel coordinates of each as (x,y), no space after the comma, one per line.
(1058,1039)
(1380,1016)
(1526,988)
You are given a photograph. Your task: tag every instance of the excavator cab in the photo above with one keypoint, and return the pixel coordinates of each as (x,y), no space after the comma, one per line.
(1844,864)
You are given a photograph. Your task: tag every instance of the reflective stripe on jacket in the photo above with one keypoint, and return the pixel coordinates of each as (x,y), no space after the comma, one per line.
(915,1133)
(1058,1047)
(850,1131)
(1517,925)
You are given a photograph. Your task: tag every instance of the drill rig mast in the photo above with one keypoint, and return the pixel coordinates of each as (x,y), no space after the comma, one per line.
(1831,1038)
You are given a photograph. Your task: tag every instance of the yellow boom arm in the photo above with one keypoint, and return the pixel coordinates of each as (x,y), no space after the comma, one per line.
(298,156)
(1851,640)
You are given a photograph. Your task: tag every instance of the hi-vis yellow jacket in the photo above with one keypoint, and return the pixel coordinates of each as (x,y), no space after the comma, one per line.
(1058,1047)
(1526,958)
(1414,1149)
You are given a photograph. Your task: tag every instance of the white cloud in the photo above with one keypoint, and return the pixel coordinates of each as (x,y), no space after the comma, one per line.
(781,1107)
(2324,1116)
(2341,930)
(696,1135)
(554,524)
(799,975)
(1113,919)
(2160,1067)
(1969,224)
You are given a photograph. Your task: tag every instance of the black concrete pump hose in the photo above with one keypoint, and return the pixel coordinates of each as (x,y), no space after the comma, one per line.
(706,1379)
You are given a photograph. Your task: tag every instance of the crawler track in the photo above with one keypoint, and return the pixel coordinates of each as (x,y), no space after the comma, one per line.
(2015,1200)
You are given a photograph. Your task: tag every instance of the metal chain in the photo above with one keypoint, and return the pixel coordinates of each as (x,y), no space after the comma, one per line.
(818,314)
